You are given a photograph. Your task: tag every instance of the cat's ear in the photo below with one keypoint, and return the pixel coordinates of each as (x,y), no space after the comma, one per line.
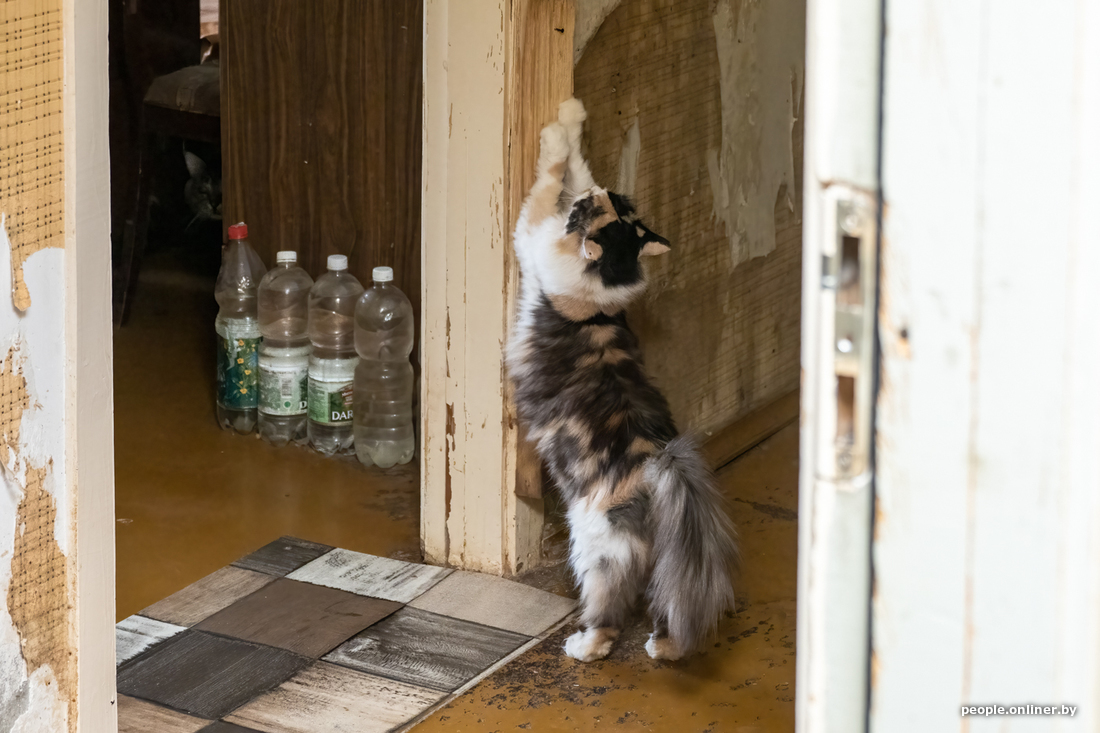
(195,165)
(653,244)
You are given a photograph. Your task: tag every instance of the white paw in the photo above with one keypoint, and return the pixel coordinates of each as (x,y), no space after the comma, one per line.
(554,143)
(661,648)
(571,113)
(588,646)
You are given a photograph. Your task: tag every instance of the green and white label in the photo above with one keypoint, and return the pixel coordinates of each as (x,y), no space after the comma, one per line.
(284,388)
(330,391)
(238,365)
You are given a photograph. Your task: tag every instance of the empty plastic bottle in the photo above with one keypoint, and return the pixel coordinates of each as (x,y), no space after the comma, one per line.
(238,332)
(384,377)
(284,352)
(332,363)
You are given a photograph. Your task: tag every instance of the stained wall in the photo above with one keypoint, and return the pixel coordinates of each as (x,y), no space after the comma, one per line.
(695,110)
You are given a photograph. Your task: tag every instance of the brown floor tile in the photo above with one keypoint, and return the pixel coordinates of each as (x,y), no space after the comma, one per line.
(496,602)
(139,716)
(207,596)
(426,649)
(327,697)
(282,556)
(207,676)
(300,617)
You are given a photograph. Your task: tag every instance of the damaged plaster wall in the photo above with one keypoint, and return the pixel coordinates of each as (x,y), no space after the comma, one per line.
(37,664)
(761,63)
(38,685)
(694,109)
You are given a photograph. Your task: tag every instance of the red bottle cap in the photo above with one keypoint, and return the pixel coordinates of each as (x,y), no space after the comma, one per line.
(238,231)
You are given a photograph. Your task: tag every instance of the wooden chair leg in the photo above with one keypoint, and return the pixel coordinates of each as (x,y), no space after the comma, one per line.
(137,231)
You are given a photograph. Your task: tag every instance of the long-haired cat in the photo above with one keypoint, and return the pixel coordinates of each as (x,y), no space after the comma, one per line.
(643,508)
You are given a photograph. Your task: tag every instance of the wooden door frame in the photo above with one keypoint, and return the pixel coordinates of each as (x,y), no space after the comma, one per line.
(89,425)
(494,73)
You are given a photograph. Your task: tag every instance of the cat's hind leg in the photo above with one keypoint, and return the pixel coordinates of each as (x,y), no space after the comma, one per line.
(610,563)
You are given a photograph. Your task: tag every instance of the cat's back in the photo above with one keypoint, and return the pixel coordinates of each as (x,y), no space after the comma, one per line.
(587,369)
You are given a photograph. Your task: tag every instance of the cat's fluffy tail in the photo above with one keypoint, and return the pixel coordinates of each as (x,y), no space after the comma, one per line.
(694,548)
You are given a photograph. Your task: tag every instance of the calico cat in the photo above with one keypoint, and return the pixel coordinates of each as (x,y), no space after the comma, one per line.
(644,510)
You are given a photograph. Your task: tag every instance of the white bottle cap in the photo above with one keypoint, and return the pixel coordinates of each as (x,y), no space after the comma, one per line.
(382,274)
(337,262)
(286,256)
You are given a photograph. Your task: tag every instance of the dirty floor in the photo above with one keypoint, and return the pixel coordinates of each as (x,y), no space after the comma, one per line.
(192,499)
(743,684)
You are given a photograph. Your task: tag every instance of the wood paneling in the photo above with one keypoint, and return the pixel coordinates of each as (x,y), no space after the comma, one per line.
(426,649)
(299,617)
(739,437)
(321,110)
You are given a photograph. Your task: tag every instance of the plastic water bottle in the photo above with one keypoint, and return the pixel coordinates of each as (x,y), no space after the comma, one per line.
(332,363)
(238,332)
(384,377)
(284,352)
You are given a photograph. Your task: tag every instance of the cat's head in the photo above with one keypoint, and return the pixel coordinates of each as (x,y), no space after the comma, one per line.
(604,231)
(203,192)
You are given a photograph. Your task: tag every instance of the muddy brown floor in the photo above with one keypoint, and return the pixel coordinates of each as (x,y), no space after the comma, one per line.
(192,498)
(744,683)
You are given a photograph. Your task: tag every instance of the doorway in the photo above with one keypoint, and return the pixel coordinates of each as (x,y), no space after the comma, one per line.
(211,111)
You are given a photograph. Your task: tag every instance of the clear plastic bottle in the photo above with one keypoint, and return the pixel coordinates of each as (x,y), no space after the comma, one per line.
(332,363)
(238,332)
(384,377)
(284,352)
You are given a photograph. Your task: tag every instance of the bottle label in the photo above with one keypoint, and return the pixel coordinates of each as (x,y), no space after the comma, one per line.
(330,393)
(238,366)
(284,390)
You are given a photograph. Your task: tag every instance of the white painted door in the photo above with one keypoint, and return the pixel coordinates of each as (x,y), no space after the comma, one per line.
(959,567)
(987,531)
(841,183)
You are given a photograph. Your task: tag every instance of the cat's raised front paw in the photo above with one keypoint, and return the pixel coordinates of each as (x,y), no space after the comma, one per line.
(571,113)
(590,645)
(554,143)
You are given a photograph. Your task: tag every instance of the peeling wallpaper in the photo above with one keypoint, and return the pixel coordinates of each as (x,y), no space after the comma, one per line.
(761,65)
(37,667)
(694,108)
(37,517)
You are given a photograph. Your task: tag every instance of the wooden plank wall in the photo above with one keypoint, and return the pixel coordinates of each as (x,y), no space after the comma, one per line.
(705,100)
(321,109)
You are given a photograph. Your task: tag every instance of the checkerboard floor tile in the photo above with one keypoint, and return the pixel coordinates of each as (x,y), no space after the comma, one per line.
(426,649)
(237,652)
